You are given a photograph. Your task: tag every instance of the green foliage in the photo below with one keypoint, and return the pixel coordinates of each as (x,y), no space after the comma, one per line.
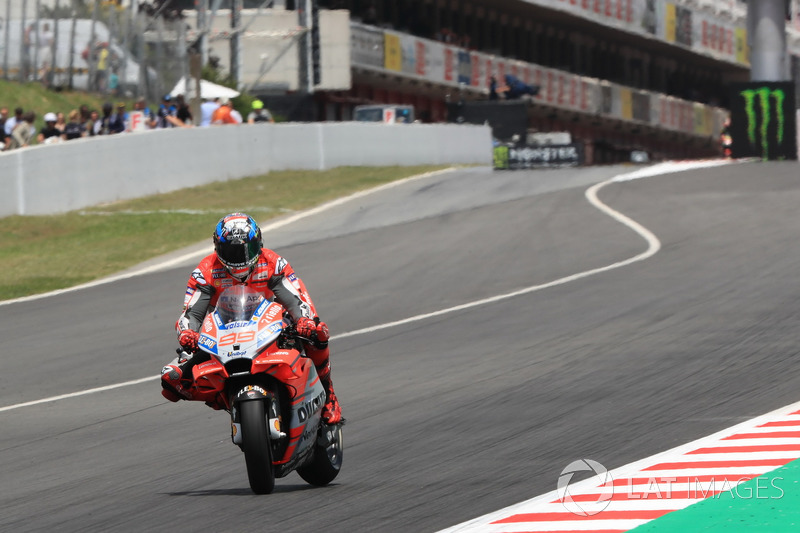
(242,103)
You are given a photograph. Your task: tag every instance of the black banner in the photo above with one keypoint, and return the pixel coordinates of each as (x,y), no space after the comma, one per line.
(763,120)
(506,117)
(531,156)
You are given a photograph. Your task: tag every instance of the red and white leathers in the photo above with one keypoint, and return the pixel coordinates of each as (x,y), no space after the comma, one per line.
(276,280)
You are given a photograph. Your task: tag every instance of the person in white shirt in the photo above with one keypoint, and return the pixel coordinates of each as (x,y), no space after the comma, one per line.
(207,109)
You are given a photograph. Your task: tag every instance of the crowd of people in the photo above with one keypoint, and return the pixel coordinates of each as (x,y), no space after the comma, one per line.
(18,130)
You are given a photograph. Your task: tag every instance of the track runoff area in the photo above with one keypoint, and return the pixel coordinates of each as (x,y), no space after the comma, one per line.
(743,477)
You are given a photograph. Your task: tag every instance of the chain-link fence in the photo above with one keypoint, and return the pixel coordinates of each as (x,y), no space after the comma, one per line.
(107,47)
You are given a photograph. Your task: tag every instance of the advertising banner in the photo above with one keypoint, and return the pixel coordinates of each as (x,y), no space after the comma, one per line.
(626,103)
(670,23)
(715,37)
(640,104)
(763,120)
(683,26)
(366,45)
(712,33)
(393,54)
(411,59)
(531,156)
(445,64)
(742,48)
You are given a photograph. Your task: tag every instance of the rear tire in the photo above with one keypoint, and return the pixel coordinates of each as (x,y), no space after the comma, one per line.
(327,461)
(256,446)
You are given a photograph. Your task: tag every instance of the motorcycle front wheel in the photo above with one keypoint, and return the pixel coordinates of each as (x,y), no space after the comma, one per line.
(256,447)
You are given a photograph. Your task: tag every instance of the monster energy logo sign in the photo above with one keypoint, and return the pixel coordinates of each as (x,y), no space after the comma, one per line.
(764,97)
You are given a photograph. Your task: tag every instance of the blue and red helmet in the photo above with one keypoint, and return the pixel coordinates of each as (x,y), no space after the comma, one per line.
(237,241)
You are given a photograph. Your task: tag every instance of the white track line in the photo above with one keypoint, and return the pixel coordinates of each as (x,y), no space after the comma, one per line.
(653,246)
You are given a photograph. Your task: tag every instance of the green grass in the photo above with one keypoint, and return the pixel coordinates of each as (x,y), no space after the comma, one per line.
(45,253)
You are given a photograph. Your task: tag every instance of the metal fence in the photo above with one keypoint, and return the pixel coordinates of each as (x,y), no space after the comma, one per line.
(105,47)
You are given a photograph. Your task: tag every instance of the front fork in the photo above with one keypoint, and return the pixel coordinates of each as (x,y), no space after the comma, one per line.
(254,393)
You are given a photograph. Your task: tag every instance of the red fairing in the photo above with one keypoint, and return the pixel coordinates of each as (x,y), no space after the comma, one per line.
(209,384)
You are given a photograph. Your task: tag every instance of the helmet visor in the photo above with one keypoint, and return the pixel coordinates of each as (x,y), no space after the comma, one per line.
(238,255)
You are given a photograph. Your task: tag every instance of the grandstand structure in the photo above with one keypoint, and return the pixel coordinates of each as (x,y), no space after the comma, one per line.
(619,75)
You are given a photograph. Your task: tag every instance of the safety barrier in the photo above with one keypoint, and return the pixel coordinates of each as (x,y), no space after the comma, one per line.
(84,172)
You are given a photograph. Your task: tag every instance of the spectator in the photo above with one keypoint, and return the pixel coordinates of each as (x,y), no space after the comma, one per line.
(23,132)
(236,115)
(371,14)
(165,117)
(113,82)
(259,113)
(496,92)
(49,133)
(45,40)
(105,119)
(207,109)
(84,111)
(74,129)
(119,120)
(94,125)
(13,121)
(101,78)
(516,88)
(3,118)
(27,51)
(60,122)
(183,113)
(223,114)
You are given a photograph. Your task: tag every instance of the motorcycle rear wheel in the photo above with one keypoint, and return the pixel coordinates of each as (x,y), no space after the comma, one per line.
(327,461)
(256,447)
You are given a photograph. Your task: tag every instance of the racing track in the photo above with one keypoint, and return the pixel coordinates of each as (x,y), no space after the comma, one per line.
(448,418)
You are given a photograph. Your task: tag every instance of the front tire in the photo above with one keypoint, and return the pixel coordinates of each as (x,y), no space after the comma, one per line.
(256,447)
(327,461)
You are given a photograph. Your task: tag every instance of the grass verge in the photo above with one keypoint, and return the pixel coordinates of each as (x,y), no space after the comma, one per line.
(44,253)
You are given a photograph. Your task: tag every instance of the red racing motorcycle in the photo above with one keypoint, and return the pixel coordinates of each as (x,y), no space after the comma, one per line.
(257,371)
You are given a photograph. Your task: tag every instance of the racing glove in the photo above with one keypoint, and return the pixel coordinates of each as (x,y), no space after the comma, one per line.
(188,339)
(313,329)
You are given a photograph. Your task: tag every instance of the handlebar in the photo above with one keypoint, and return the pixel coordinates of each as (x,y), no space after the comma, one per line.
(289,331)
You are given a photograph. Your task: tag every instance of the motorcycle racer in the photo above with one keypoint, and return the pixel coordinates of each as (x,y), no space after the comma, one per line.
(240,258)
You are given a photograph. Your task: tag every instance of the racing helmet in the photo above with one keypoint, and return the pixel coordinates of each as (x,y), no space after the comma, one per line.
(237,241)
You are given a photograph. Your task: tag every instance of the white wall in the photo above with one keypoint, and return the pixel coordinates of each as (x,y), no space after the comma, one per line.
(85,172)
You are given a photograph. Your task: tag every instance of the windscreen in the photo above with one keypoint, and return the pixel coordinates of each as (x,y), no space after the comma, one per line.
(238,303)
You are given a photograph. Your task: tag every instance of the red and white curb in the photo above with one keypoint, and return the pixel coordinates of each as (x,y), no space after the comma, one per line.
(632,495)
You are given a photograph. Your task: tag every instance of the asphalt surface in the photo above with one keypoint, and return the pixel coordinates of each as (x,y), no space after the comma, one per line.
(448,418)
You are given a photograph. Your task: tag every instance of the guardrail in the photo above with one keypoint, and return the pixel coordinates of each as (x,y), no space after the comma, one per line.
(75,174)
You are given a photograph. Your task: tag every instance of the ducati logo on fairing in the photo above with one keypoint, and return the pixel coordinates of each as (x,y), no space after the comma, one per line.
(308,408)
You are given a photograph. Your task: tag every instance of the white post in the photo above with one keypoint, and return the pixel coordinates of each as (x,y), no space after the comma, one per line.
(766,21)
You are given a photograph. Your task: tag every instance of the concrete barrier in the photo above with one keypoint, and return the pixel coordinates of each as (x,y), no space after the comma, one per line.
(85,172)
